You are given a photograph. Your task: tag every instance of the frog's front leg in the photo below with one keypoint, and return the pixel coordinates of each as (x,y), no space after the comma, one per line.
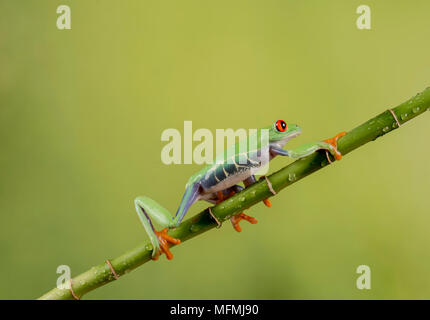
(221,196)
(229,192)
(224,195)
(148,210)
(306,149)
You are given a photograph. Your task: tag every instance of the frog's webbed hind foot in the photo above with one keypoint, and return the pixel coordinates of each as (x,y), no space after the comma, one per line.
(146,209)
(164,239)
(333,142)
(239,217)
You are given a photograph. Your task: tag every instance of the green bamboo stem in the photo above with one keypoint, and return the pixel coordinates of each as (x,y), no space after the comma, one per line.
(378,126)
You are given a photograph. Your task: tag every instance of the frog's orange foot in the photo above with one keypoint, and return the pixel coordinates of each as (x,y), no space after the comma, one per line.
(333,143)
(267,203)
(164,239)
(239,217)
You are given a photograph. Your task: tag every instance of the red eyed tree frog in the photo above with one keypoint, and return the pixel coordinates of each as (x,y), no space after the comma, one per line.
(219,181)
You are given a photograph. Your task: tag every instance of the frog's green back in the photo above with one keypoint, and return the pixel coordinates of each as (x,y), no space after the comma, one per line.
(249,145)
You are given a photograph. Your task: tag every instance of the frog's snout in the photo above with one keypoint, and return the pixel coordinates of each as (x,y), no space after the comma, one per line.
(294,130)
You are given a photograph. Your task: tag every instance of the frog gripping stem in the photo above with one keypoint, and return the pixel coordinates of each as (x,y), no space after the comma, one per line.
(239,217)
(164,239)
(368,131)
(333,143)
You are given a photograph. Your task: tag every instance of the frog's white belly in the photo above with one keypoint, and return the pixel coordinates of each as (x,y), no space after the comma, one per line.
(228,174)
(230,181)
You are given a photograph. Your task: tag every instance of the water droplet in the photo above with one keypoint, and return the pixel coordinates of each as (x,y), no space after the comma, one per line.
(242,199)
(415,109)
(394,125)
(404,116)
(292,177)
(194,228)
(386,129)
(149,247)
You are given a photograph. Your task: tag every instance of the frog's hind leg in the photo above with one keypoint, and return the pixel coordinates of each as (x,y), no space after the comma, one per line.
(146,209)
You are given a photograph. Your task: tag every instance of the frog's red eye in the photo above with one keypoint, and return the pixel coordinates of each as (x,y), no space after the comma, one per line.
(280,125)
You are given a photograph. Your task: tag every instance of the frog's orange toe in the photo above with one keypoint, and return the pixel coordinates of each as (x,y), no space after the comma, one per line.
(267,203)
(239,217)
(164,239)
(333,142)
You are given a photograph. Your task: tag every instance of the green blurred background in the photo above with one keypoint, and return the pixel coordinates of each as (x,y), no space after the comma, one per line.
(82,111)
